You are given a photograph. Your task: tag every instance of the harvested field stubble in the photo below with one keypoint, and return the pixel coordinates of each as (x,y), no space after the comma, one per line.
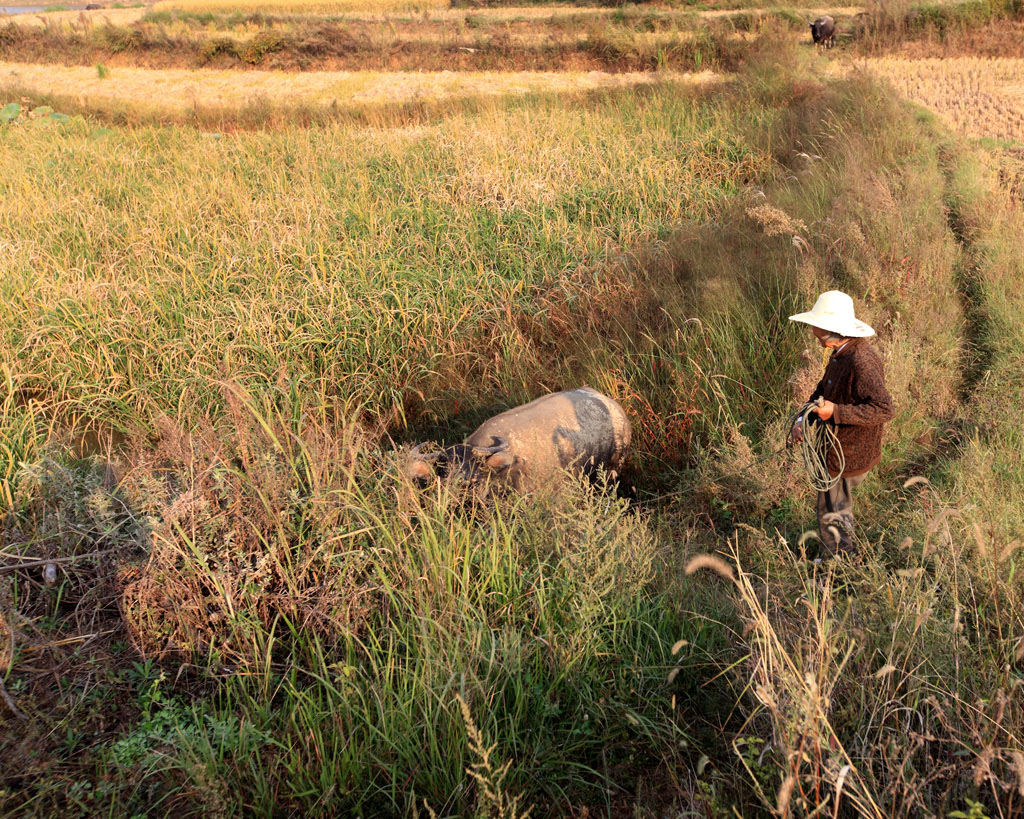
(981,97)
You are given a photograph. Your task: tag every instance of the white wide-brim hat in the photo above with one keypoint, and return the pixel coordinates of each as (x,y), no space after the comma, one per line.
(833,311)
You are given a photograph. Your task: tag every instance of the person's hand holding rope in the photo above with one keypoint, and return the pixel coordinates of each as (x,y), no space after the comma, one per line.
(817,440)
(824,409)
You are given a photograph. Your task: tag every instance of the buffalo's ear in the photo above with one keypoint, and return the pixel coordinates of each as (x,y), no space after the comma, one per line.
(420,470)
(500,460)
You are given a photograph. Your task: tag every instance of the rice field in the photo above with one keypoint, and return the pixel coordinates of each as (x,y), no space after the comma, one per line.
(157,92)
(303,6)
(113,16)
(982,97)
(220,596)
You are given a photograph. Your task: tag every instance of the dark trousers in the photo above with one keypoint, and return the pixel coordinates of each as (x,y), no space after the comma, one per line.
(835,517)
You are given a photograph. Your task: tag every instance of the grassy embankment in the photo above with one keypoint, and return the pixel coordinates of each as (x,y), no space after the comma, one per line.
(621,40)
(249,319)
(976,27)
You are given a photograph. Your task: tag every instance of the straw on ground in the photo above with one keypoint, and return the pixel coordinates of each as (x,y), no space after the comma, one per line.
(980,96)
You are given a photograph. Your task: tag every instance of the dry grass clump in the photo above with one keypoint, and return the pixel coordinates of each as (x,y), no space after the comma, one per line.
(979,96)
(775,221)
(489,776)
(741,478)
(795,669)
(244,534)
(1009,165)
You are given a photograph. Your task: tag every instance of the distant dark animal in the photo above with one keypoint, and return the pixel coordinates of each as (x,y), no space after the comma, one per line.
(823,30)
(93,7)
(578,430)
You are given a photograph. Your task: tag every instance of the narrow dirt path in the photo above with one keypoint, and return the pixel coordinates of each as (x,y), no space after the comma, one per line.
(969,275)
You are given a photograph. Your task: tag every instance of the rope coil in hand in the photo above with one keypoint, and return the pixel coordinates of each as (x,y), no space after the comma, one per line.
(819,439)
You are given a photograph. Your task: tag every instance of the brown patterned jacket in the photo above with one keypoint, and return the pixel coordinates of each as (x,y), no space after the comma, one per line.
(854,382)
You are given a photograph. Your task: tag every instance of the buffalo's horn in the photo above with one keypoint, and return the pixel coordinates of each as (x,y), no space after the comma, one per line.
(417,452)
(498,444)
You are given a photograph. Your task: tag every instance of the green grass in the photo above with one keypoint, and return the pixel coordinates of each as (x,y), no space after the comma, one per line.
(259,616)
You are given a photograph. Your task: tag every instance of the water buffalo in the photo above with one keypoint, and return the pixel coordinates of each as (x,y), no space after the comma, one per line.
(579,430)
(93,7)
(823,30)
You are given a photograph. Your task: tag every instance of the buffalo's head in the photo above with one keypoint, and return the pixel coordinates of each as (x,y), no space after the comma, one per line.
(466,462)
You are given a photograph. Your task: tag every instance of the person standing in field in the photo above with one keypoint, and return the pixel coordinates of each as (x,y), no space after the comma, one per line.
(852,395)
